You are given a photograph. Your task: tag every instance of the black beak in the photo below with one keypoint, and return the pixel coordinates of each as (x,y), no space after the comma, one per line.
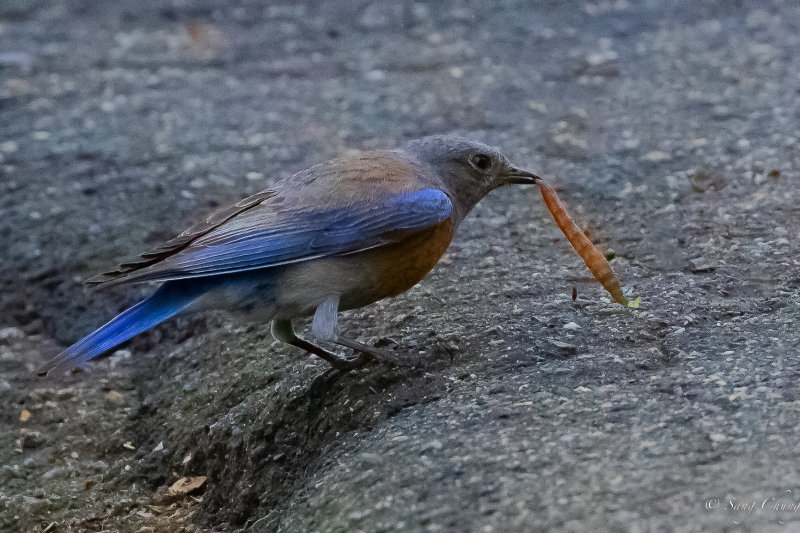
(518,176)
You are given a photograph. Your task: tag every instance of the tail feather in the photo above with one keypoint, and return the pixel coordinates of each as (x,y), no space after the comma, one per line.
(169,300)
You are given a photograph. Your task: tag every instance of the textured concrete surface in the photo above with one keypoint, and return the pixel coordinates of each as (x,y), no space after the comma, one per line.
(670,129)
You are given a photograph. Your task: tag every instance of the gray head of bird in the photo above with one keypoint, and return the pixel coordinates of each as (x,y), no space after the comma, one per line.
(468,170)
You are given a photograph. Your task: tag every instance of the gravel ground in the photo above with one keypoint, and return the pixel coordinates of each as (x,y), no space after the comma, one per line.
(670,129)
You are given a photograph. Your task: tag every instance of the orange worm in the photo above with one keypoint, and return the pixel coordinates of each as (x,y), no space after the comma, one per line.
(590,254)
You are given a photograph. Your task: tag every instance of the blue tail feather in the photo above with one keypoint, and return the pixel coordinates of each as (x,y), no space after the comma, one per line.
(169,300)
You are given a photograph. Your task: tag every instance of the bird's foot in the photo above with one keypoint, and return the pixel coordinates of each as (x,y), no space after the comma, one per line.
(345,364)
(282,330)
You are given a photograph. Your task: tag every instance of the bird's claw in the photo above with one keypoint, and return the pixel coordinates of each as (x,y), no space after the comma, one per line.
(343,364)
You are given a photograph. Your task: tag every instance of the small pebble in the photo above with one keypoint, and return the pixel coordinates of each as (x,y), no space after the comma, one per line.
(656,156)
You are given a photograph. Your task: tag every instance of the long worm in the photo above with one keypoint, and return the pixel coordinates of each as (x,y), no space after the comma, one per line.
(590,254)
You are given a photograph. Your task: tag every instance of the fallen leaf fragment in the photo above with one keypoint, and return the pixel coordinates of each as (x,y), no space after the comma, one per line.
(115,397)
(186,485)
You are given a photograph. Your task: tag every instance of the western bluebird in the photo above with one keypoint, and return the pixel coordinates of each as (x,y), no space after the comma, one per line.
(337,236)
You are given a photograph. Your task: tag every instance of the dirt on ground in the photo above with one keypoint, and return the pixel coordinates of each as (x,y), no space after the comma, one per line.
(670,130)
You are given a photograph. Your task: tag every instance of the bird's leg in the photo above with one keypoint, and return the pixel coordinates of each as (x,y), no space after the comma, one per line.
(284,332)
(326,327)
(367,352)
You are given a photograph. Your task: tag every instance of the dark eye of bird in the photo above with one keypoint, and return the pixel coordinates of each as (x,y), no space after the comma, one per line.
(481,161)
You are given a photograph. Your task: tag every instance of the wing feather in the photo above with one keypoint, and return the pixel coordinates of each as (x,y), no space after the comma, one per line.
(278,235)
(173,246)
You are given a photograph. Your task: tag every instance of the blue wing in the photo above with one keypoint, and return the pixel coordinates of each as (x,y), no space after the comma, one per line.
(280,235)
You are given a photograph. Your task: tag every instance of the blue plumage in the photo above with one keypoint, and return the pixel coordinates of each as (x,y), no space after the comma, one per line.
(170,299)
(235,263)
(258,240)
(337,236)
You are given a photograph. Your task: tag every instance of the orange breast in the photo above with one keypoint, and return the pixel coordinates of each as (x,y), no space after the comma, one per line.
(398,268)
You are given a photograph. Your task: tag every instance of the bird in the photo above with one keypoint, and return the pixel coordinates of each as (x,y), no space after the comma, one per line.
(339,235)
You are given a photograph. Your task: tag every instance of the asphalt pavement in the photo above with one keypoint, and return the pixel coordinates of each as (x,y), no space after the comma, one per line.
(670,129)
